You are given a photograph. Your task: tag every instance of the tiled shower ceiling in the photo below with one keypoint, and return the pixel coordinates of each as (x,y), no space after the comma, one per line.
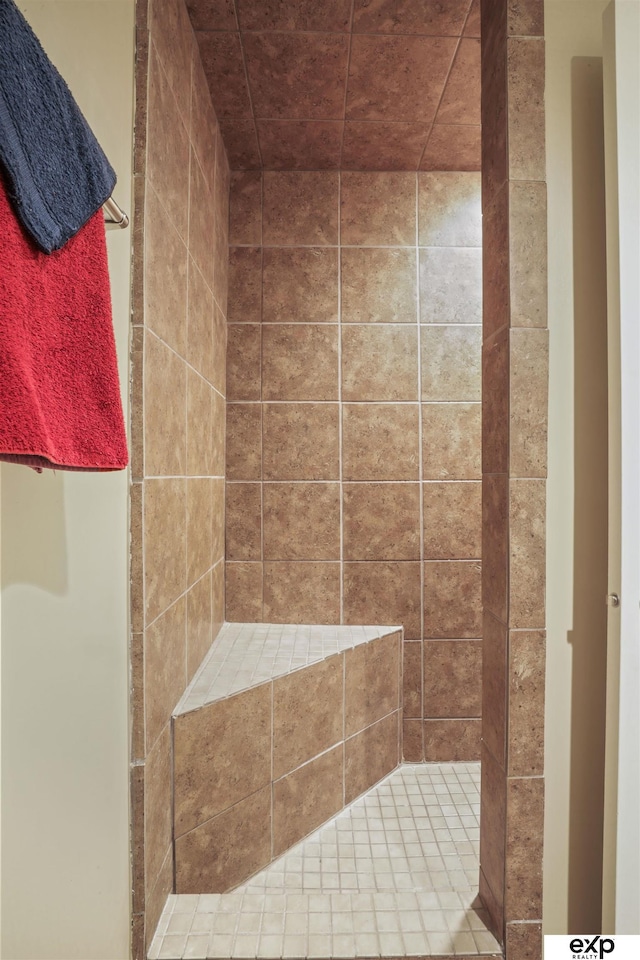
(344,84)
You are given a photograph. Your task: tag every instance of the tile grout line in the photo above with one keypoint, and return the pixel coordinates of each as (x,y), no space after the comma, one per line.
(340,405)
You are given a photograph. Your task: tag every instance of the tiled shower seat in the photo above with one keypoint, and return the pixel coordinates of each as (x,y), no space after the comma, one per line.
(281,727)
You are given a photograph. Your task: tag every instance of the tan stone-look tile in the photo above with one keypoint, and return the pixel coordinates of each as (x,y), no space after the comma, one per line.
(219,371)
(453,147)
(451,441)
(300,441)
(371,682)
(412,679)
(156,897)
(528,254)
(378,285)
(296,75)
(383,592)
(203,128)
(200,316)
(301,592)
(136,404)
(300,362)
(452,599)
(429,17)
(379,362)
(173,38)
(316,694)
(399,78)
(525,18)
(451,362)
(137,735)
(449,210)
(380,441)
(452,520)
(472,26)
(301,207)
(212,14)
(245,285)
(241,143)
(495,544)
(222,185)
(136,553)
(494,102)
(244,441)
(452,678)
(524,940)
(243,521)
(243,592)
(381,521)
(378,209)
(199,527)
(526,79)
(300,285)
(412,745)
(461,98)
(529,379)
(218,433)
(221,265)
(300,144)
(495,403)
(523,853)
(226,850)
(245,208)
(493,825)
(218,515)
(164,668)
(332,16)
(526,703)
(527,520)
(165,291)
(370,755)
(141,90)
(136,940)
(165,513)
(451,741)
(291,510)
(244,347)
(494,684)
(217,598)
(165,401)
(157,804)
(222,754)
(451,285)
(383,145)
(199,619)
(307,798)
(201,221)
(221,55)
(199,426)
(167,148)
(496,294)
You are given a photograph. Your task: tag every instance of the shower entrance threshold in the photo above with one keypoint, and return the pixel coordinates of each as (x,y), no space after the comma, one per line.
(394,874)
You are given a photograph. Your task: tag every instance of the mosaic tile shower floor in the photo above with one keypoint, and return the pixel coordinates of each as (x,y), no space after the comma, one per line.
(393,875)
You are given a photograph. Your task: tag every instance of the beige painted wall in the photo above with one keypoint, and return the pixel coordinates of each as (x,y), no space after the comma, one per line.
(65,878)
(577,488)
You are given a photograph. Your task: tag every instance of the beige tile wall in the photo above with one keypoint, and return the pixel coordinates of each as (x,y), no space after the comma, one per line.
(353,422)
(178,411)
(515,364)
(251,780)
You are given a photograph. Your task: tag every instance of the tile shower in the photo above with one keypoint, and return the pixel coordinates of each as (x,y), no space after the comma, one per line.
(353,476)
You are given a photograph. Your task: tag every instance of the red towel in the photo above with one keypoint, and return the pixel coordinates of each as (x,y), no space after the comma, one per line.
(60,403)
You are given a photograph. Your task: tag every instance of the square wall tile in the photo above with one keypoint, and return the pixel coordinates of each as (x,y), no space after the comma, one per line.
(449,212)
(380,441)
(301,592)
(378,285)
(245,285)
(300,285)
(164,668)
(494,685)
(461,98)
(300,208)
(291,510)
(245,208)
(300,144)
(165,514)
(381,521)
(526,79)
(378,209)
(300,441)
(528,254)
(451,285)
(165,291)
(452,520)
(244,441)
(452,599)
(412,746)
(243,521)
(451,362)
(527,523)
(387,593)
(370,755)
(451,441)
(243,592)
(371,672)
(157,804)
(165,400)
(379,362)
(199,622)
(306,798)
(300,362)
(452,678)
(452,741)
(453,146)
(244,347)
(526,703)
(199,527)
(383,145)
(528,396)
(523,854)
(412,679)
(200,452)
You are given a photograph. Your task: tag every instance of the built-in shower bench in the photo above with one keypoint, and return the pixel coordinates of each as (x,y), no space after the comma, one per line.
(281,727)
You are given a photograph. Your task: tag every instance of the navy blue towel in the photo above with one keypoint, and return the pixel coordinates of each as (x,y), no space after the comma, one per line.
(56,174)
